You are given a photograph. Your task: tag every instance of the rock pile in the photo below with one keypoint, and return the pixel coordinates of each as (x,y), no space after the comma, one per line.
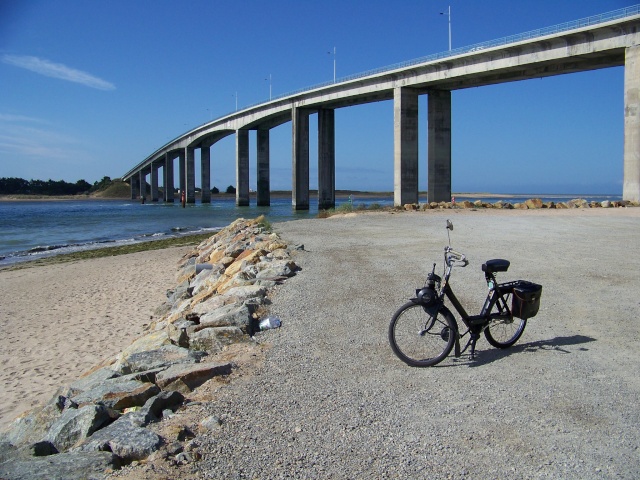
(529,204)
(98,423)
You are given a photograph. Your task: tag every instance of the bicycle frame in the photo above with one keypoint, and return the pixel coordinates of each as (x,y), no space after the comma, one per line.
(475,324)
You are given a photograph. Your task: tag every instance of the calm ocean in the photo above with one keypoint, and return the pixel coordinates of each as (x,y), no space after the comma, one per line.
(35,229)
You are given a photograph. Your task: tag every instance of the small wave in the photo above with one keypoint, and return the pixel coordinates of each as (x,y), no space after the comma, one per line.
(46,248)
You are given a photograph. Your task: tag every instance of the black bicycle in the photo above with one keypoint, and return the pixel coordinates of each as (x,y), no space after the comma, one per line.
(424,331)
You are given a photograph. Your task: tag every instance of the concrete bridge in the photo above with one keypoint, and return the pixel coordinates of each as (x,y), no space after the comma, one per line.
(608,40)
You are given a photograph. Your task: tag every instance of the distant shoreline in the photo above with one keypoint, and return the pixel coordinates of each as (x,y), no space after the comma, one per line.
(287,194)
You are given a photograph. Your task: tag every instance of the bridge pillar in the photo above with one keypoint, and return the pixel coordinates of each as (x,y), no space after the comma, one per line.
(300,159)
(190,174)
(242,168)
(135,186)
(405,146)
(168,181)
(205,174)
(631,182)
(181,174)
(264,185)
(143,185)
(155,166)
(326,159)
(439,146)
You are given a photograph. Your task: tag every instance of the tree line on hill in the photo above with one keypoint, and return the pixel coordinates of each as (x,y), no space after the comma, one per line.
(20,186)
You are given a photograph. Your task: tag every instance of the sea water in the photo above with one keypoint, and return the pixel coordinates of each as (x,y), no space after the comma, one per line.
(36,229)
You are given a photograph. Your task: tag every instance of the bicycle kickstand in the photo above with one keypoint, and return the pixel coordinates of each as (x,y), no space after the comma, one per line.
(473,338)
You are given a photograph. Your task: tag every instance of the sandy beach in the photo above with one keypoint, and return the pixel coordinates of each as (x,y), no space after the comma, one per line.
(58,321)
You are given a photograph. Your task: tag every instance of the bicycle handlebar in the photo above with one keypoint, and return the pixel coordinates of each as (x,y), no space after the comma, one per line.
(452,257)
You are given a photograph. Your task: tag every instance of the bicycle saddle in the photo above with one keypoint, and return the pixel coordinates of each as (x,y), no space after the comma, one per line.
(496,265)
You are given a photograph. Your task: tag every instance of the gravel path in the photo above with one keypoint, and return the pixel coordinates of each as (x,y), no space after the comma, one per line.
(332,401)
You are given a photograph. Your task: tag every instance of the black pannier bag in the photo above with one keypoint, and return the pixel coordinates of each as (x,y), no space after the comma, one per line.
(525,300)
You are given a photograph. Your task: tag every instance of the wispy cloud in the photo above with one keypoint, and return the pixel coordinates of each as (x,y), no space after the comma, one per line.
(57,70)
(21,135)
(7,117)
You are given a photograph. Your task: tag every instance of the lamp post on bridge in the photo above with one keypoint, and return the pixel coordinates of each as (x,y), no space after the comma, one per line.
(448,14)
(269,86)
(334,64)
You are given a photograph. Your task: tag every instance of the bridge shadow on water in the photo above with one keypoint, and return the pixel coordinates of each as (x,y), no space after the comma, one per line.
(487,354)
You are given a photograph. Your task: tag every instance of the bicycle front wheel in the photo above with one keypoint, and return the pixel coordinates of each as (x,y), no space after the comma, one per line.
(420,339)
(504,333)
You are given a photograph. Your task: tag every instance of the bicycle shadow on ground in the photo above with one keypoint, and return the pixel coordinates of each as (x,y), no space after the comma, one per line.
(487,354)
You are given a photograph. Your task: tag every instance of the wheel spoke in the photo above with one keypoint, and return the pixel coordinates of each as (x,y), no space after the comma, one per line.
(418,338)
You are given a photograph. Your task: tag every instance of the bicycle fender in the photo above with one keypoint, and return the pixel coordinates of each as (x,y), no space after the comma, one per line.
(430,309)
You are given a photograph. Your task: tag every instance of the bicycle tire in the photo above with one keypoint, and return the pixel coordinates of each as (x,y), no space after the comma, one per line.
(503,334)
(419,339)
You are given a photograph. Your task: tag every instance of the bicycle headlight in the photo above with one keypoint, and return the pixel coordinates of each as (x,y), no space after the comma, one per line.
(427,296)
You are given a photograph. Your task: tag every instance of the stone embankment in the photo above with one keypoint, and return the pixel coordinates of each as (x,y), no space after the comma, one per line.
(100,422)
(529,204)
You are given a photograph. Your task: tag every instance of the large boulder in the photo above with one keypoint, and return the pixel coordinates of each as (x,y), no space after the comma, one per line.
(533,203)
(75,425)
(214,339)
(77,465)
(164,356)
(118,393)
(32,426)
(228,315)
(185,378)
(151,341)
(125,439)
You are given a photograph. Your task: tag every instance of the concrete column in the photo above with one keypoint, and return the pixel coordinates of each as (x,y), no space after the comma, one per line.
(439,146)
(143,185)
(631,182)
(135,186)
(205,174)
(326,159)
(405,146)
(181,173)
(242,168)
(300,159)
(168,179)
(155,166)
(190,174)
(264,184)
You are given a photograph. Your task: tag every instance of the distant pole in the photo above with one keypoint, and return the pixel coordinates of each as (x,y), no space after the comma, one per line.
(236,95)
(269,86)
(448,14)
(334,64)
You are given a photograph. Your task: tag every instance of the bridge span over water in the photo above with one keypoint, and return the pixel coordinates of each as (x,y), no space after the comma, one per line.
(607,40)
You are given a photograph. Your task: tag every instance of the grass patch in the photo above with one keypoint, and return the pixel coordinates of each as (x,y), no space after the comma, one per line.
(183,241)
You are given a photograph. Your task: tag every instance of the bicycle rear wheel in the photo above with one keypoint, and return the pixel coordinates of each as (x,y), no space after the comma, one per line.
(504,333)
(419,339)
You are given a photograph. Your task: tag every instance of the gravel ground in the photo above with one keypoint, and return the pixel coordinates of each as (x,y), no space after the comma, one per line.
(330,400)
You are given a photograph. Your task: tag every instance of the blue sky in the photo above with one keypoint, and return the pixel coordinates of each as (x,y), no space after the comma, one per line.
(90,88)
